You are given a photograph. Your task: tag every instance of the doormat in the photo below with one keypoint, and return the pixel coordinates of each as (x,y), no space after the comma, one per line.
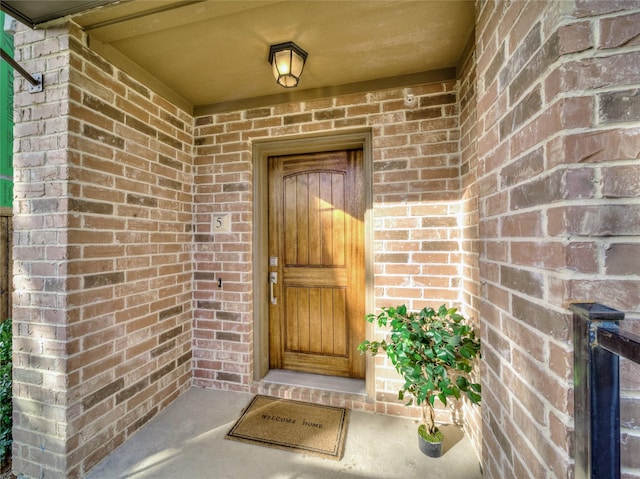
(294,426)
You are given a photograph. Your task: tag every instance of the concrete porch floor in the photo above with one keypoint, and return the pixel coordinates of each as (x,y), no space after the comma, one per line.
(186,440)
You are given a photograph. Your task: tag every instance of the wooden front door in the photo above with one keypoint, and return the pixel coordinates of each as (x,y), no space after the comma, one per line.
(316,263)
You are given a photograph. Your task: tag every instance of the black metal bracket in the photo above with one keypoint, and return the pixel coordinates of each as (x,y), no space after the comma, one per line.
(35,80)
(596,393)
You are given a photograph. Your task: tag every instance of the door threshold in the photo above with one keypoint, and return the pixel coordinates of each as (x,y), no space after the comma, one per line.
(316,381)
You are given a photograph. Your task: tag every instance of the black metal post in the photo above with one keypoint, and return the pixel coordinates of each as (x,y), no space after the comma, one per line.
(596,394)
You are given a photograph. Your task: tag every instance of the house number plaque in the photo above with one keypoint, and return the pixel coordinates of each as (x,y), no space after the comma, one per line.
(221,222)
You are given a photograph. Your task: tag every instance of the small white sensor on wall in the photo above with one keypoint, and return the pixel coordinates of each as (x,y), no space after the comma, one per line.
(409,100)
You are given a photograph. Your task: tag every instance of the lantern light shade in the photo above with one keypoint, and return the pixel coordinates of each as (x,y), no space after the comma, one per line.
(287,61)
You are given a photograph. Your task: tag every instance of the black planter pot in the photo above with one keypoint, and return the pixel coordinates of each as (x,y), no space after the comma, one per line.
(431,449)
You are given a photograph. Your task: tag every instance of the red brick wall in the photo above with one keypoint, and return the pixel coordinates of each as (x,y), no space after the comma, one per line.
(102,256)
(509,197)
(417,213)
(557,145)
(104,213)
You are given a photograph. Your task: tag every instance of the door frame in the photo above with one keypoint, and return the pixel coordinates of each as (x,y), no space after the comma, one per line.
(358,139)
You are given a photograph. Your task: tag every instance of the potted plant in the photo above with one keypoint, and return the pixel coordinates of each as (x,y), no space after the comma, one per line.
(433,351)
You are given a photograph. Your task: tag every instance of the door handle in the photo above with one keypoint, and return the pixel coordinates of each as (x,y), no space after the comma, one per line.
(273,280)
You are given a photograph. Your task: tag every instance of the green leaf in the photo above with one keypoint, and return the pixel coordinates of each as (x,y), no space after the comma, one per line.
(454,340)
(445,355)
(474,397)
(464,367)
(467,352)
(462,383)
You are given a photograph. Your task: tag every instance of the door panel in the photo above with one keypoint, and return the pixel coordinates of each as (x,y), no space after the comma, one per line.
(316,320)
(316,218)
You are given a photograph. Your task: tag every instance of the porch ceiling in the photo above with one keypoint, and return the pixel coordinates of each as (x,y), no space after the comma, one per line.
(210,54)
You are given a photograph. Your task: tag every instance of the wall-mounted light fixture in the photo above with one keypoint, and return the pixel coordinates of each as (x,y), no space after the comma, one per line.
(287,60)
